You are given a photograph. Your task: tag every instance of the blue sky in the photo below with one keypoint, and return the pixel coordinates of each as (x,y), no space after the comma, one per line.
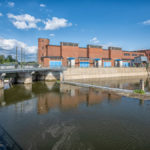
(123,23)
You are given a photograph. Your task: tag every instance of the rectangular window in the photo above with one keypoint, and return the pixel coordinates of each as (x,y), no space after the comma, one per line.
(141,54)
(126,54)
(134,54)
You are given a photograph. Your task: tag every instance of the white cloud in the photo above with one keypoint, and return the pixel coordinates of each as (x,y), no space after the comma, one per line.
(52,35)
(11,4)
(10,44)
(147,22)
(1,14)
(56,23)
(24,21)
(94,40)
(42,5)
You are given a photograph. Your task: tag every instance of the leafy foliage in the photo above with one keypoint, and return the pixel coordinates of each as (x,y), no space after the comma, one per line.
(139,91)
(8,59)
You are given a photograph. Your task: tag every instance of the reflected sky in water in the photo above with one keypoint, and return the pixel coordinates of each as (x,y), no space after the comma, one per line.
(62,117)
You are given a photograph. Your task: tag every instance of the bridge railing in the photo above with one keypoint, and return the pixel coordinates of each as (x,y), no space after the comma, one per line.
(7,142)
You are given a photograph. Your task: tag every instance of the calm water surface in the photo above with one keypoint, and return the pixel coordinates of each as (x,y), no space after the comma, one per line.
(130,83)
(49,116)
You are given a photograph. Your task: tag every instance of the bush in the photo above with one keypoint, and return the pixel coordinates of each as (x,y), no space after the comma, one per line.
(139,91)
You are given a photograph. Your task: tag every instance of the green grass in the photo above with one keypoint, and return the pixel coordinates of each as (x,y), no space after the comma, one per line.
(58,81)
(139,91)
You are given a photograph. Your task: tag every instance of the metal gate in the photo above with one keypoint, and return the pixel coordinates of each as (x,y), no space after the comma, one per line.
(55,64)
(107,64)
(125,64)
(84,64)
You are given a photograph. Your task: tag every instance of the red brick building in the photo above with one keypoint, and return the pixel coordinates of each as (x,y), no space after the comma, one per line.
(147,53)
(48,54)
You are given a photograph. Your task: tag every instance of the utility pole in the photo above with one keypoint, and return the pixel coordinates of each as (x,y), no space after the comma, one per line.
(21,57)
(37,56)
(16,54)
(24,57)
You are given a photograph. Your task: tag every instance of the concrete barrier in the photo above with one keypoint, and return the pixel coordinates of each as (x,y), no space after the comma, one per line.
(87,73)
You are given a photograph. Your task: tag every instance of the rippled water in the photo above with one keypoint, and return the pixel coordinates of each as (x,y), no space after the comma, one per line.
(49,116)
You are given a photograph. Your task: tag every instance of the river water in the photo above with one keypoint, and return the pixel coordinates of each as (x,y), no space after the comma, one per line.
(51,116)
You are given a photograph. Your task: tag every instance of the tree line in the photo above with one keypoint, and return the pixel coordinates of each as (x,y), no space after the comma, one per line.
(7,59)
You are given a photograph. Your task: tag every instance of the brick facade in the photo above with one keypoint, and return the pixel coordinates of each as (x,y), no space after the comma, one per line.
(47,52)
(147,53)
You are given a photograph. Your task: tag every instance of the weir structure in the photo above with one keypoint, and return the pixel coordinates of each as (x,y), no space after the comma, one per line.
(123,92)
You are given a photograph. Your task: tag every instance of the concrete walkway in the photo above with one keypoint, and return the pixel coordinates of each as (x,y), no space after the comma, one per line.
(123,92)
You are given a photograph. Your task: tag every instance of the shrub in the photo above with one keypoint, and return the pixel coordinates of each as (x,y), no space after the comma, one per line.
(139,91)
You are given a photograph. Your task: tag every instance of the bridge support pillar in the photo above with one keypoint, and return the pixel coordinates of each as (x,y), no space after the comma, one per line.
(1,83)
(2,80)
(52,76)
(25,78)
(61,76)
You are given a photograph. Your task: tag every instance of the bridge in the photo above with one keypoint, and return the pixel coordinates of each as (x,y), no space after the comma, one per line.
(31,70)
(27,75)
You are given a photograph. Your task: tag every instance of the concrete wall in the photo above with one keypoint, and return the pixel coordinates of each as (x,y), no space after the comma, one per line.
(83,73)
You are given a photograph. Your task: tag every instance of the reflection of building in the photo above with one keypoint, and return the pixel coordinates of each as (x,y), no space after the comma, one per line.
(70,97)
(1,96)
(95,96)
(113,98)
(117,82)
(47,101)
(70,54)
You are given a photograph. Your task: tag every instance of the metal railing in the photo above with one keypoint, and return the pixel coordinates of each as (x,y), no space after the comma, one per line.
(7,142)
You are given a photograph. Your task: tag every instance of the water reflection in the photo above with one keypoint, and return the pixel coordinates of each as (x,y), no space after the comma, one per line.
(2,102)
(50,95)
(55,116)
(122,82)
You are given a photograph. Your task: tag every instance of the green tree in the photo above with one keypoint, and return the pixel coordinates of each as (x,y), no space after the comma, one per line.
(10,58)
(2,59)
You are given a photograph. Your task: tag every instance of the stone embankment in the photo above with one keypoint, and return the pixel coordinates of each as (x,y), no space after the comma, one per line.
(87,73)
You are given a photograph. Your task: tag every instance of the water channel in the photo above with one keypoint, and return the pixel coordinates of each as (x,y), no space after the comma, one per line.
(52,116)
